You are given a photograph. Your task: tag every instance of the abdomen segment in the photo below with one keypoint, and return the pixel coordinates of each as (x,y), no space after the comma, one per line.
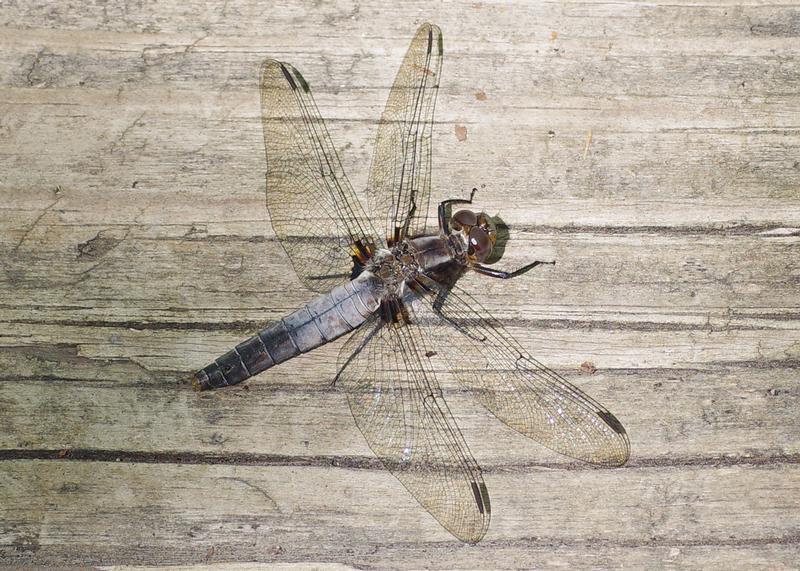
(322,320)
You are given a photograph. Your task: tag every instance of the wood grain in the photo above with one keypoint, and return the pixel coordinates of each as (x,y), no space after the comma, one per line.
(650,148)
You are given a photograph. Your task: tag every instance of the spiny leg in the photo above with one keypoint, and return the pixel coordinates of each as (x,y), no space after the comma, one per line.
(443,226)
(494,273)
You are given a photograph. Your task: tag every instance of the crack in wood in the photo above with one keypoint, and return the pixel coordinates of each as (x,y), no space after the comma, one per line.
(36,59)
(34,224)
(522,323)
(757,459)
(273,504)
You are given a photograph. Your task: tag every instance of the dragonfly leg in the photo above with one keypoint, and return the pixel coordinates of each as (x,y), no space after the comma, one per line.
(494,273)
(443,220)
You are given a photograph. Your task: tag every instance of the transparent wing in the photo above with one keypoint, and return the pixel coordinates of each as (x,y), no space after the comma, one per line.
(314,211)
(399,187)
(398,406)
(515,387)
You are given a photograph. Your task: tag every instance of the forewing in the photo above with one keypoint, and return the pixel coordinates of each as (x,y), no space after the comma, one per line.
(399,188)
(314,211)
(398,406)
(515,387)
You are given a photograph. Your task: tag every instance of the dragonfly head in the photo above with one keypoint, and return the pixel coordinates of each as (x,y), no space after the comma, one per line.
(478,231)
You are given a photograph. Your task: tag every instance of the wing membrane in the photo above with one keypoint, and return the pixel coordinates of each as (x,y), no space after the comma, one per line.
(398,406)
(515,387)
(399,187)
(313,209)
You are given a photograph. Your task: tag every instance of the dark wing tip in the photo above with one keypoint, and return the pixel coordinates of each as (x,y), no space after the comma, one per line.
(481,497)
(611,421)
(288,76)
(293,77)
(434,34)
(301,80)
(273,72)
(621,455)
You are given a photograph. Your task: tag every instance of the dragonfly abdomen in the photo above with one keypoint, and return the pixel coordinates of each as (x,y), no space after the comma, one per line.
(322,320)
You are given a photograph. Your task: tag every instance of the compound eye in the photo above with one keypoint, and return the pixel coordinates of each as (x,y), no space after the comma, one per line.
(480,245)
(465,218)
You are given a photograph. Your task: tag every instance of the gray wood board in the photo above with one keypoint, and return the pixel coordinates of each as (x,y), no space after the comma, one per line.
(650,148)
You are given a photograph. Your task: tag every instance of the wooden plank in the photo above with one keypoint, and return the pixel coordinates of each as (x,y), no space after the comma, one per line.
(555,176)
(561,347)
(103,512)
(698,281)
(674,416)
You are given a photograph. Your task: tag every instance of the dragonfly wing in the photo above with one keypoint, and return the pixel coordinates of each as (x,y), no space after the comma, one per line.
(515,387)
(399,188)
(313,209)
(398,406)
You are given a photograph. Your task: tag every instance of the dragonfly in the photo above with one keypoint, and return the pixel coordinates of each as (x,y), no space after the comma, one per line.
(396,294)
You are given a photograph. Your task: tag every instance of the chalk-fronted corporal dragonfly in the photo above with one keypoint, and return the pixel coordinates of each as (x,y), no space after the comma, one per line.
(396,292)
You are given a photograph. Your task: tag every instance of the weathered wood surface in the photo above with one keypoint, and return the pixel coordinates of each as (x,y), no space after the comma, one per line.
(651,148)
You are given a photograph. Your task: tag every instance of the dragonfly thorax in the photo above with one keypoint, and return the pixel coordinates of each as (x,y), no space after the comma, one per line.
(394,267)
